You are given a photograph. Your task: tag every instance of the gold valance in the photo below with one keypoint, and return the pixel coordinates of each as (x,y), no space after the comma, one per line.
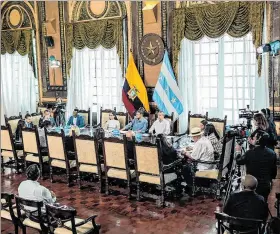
(214,20)
(107,33)
(17,40)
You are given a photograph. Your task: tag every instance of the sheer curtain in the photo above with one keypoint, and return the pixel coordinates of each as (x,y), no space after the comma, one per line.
(18,85)
(95,80)
(220,76)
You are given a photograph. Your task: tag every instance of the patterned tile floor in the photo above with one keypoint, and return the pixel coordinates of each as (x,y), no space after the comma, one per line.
(117,215)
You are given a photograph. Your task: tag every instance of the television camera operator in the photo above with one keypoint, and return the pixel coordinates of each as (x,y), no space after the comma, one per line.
(260,161)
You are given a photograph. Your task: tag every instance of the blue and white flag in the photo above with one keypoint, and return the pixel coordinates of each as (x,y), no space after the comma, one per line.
(167,95)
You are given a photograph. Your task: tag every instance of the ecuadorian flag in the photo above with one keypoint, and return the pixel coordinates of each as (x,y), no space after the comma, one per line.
(134,93)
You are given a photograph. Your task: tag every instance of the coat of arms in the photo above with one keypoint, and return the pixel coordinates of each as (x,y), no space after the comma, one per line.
(132,93)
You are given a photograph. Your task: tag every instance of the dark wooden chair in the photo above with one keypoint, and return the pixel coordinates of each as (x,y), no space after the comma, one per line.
(62,220)
(194,120)
(123,119)
(87,158)
(221,168)
(10,157)
(30,215)
(13,121)
(219,124)
(31,149)
(278,204)
(104,116)
(86,115)
(116,163)
(58,157)
(8,210)
(36,118)
(150,169)
(238,225)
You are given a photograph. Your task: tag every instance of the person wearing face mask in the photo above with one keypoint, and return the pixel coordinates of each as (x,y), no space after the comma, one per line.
(161,125)
(113,123)
(138,125)
(76,120)
(31,188)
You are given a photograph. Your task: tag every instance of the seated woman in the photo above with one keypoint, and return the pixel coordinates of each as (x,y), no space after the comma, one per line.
(113,122)
(203,124)
(211,133)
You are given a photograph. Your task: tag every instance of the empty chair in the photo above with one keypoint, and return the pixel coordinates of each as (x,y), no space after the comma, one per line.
(36,118)
(31,214)
(13,121)
(8,209)
(32,150)
(57,154)
(123,118)
(238,225)
(10,157)
(149,167)
(62,220)
(86,150)
(116,162)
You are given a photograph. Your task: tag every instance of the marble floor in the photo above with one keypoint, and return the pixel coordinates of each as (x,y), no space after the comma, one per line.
(118,215)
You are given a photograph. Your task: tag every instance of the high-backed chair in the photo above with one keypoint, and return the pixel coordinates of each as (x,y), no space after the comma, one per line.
(150,169)
(41,109)
(116,164)
(238,225)
(8,150)
(87,158)
(170,118)
(123,118)
(30,215)
(62,220)
(13,121)
(219,124)
(221,168)
(36,118)
(278,204)
(194,120)
(86,115)
(104,115)
(58,155)
(8,209)
(31,149)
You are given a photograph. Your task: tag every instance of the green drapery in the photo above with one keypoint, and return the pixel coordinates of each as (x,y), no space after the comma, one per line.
(107,33)
(234,18)
(20,41)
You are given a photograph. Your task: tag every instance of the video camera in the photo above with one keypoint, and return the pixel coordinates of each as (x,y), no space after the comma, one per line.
(240,132)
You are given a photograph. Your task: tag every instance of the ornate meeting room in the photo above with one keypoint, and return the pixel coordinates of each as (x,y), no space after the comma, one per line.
(140,117)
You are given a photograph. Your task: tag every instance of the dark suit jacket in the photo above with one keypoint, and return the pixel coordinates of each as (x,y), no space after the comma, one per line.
(261,163)
(246,204)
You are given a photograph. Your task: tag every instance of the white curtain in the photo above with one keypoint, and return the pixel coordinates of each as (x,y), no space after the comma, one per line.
(95,80)
(220,76)
(18,85)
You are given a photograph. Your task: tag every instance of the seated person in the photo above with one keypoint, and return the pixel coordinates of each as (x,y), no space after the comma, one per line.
(76,120)
(161,125)
(113,123)
(31,189)
(46,117)
(247,203)
(28,121)
(203,124)
(169,154)
(211,133)
(202,150)
(138,124)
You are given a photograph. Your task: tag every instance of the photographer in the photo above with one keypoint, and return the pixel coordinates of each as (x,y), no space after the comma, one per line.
(260,162)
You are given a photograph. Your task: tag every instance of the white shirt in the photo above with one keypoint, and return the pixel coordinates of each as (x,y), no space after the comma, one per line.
(161,127)
(32,190)
(112,124)
(203,150)
(74,120)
